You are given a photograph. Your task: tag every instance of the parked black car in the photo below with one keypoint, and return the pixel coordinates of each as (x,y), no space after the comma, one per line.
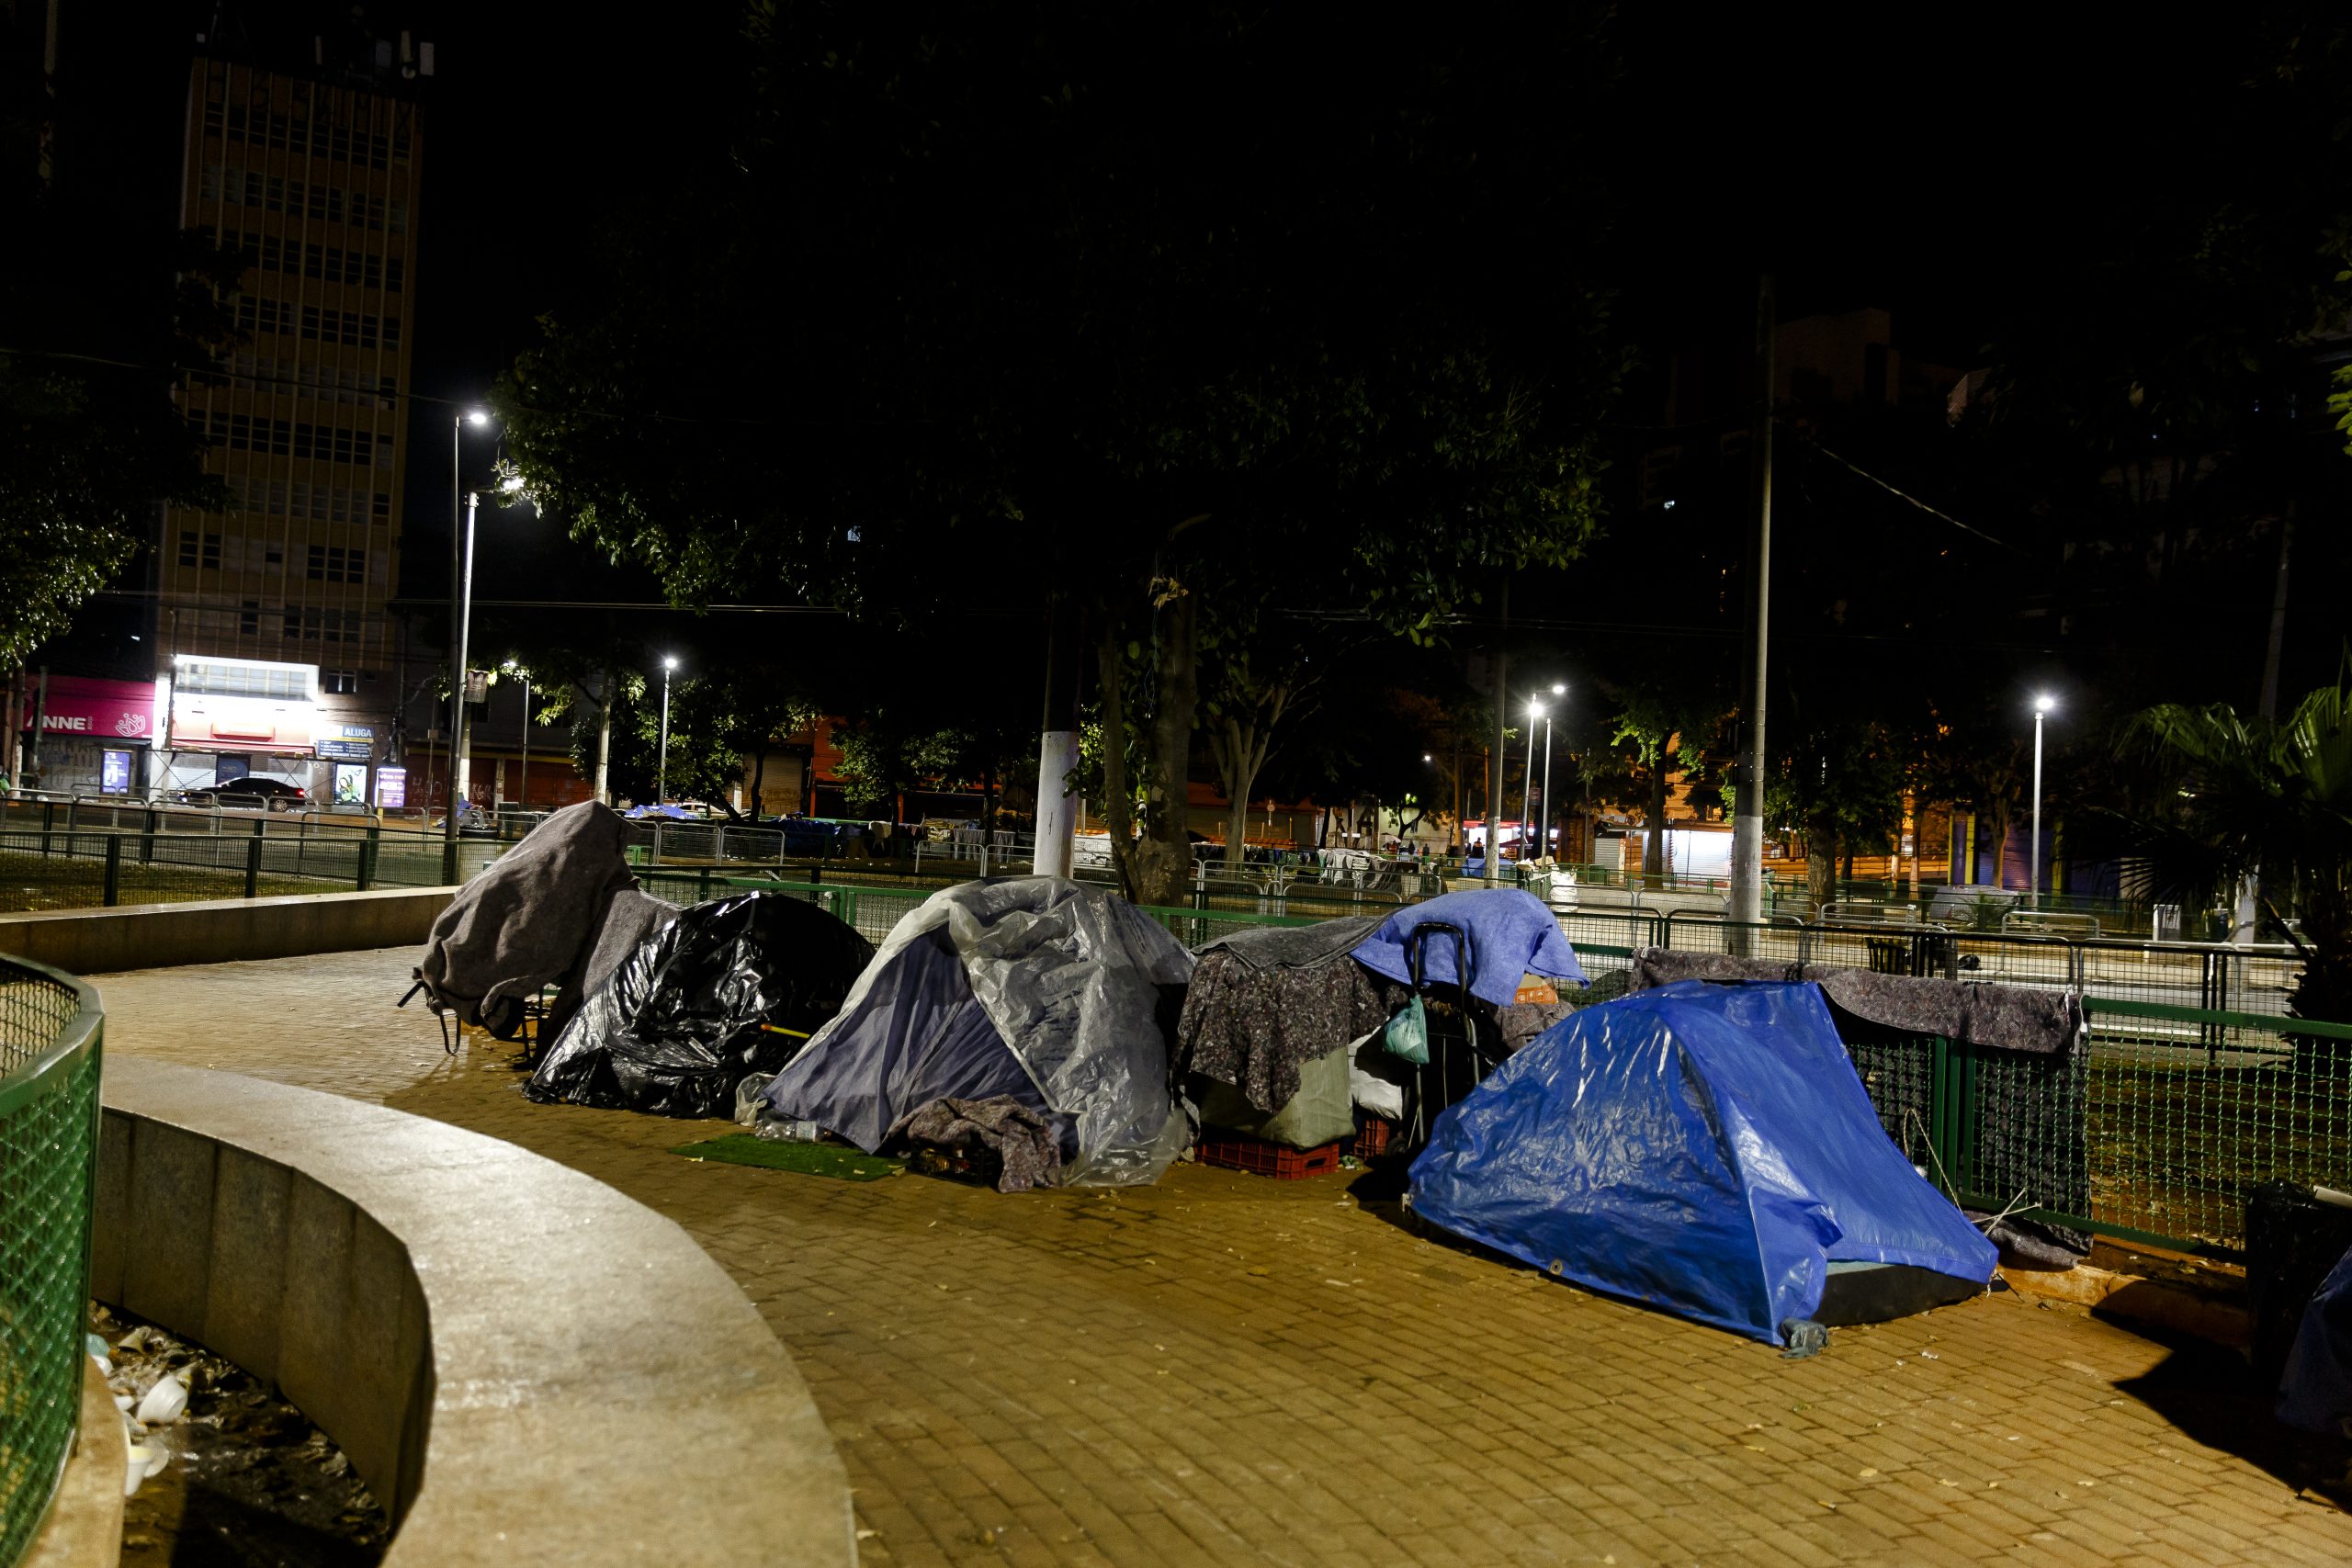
(247,795)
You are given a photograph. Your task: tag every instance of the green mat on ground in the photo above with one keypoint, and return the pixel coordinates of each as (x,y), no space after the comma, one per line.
(810,1159)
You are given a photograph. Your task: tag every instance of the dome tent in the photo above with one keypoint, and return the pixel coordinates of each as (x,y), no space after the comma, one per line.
(1059,996)
(1707,1149)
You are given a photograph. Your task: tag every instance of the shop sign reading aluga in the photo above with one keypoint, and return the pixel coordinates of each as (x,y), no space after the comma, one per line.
(357,743)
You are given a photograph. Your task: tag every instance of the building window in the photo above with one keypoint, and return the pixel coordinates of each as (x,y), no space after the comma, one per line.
(200,550)
(320,625)
(339,683)
(332,563)
(249,618)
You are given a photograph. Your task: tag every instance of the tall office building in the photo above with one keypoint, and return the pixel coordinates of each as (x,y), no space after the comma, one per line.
(312,175)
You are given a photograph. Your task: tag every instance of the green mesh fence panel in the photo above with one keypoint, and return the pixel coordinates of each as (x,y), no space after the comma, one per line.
(49,1110)
(2187,1114)
(1898,1073)
(2019,1128)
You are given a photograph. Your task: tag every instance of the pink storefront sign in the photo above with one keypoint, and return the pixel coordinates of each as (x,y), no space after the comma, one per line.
(79,707)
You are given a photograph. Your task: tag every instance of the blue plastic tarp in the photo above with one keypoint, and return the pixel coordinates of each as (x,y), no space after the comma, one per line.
(2316,1392)
(1511,934)
(1705,1149)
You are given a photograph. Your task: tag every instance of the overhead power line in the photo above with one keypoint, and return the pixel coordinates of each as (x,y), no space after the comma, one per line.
(1903,495)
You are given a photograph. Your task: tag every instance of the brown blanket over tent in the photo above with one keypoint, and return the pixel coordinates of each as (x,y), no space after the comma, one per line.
(2011,1018)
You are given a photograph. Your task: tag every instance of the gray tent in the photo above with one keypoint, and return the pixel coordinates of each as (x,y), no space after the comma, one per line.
(1057,995)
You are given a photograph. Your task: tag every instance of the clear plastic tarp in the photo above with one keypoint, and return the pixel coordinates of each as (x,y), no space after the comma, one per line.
(1080,989)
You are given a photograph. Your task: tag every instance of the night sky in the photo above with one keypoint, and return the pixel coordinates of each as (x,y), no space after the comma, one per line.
(1936,170)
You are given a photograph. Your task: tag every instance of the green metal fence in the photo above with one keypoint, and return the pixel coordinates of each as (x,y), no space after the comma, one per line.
(2173,1107)
(49,1041)
(73,868)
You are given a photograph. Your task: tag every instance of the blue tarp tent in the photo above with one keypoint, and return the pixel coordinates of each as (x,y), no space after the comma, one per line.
(1510,931)
(1704,1148)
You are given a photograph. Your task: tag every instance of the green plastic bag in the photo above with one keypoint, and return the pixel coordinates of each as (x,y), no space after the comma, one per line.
(1407,1034)
(1322,1110)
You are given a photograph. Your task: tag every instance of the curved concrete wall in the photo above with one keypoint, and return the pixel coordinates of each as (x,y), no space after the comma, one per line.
(524,1365)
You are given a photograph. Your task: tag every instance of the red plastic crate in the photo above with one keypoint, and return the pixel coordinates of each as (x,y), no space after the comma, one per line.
(1261,1159)
(1374,1138)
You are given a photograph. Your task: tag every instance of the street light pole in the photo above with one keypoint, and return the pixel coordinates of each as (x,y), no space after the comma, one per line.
(461,590)
(662,757)
(1559,689)
(1748,796)
(1527,796)
(2041,705)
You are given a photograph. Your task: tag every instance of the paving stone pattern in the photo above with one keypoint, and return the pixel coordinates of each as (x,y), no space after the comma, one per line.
(1228,1370)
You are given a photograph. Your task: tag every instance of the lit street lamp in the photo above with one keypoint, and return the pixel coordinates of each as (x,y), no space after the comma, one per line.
(461,606)
(662,757)
(2041,705)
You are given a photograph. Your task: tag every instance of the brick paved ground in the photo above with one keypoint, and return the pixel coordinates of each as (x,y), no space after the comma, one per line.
(1233,1370)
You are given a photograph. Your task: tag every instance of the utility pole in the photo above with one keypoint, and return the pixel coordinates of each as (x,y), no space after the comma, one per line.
(459,784)
(1502,718)
(1058,744)
(1747,800)
(2269,708)
(2249,892)
(661,755)
(523,783)
(604,737)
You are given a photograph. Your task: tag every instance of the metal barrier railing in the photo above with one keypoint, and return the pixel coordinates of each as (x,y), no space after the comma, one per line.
(68,869)
(51,1031)
(2155,1130)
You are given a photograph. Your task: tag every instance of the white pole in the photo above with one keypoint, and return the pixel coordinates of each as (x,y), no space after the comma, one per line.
(457,635)
(604,738)
(523,788)
(2034,850)
(1527,794)
(1057,808)
(662,757)
(1748,797)
(460,771)
(1547,786)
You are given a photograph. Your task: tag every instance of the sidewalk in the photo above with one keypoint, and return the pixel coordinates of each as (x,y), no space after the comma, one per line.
(1225,1369)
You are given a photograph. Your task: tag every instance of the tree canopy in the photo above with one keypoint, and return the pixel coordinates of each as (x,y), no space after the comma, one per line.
(1032,313)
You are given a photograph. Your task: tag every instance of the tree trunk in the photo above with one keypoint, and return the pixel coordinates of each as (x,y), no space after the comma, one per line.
(1166,852)
(1820,867)
(1237,829)
(759,780)
(1654,852)
(2000,846)
(1241,750)
(987,807)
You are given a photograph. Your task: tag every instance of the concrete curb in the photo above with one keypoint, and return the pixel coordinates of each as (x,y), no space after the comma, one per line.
(524,1365)
(162,936)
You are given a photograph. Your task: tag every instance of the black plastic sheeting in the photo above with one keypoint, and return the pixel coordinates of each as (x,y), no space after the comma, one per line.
(681,1021)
